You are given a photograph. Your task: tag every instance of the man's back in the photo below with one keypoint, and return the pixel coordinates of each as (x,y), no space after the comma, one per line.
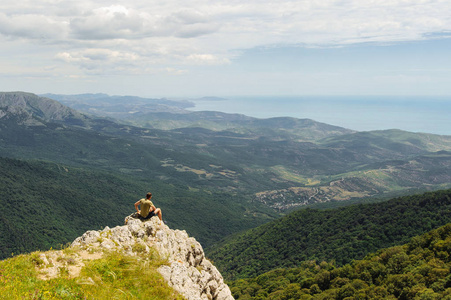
(146,206)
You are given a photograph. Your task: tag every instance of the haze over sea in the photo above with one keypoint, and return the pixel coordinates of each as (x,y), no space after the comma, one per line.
(362,113)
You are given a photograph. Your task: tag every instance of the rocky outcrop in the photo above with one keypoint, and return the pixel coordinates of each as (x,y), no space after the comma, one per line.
(187,270)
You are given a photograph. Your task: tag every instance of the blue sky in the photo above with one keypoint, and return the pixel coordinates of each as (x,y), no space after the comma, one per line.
(196,48)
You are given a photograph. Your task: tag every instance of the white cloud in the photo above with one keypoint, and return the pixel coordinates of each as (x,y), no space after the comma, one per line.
(88,32)
(107,23)
(262,22)
(31,27)
(122,22)
(102,60)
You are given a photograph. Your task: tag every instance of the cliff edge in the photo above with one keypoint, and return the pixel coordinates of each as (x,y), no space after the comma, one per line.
(187,270)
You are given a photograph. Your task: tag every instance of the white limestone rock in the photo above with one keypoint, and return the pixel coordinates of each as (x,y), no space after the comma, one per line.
(188,271)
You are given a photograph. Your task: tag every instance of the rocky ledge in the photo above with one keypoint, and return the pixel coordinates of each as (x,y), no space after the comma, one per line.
(187,271)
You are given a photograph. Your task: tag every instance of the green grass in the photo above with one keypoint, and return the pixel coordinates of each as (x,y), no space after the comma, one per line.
(285,173)
(114,276)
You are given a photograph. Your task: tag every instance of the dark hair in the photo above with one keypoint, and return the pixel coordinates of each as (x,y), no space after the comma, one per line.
(149,195)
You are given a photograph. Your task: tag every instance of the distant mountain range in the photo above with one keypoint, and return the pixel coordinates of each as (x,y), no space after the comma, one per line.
(67,168)
(119,107)
(172,114)
(235,171)
(281,162)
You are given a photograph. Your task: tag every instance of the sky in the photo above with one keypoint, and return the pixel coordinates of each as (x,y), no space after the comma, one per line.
(179,48)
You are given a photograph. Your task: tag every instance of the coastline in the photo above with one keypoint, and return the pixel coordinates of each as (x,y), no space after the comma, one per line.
(362,113)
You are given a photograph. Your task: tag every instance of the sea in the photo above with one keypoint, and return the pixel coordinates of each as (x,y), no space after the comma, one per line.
(362,113)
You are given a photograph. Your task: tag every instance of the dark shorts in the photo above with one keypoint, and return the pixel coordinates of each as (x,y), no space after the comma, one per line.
(150,215)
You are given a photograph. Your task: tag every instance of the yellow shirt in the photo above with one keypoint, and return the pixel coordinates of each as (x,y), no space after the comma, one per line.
(146,206)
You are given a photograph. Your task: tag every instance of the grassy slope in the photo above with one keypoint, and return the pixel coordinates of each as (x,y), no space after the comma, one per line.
(342,234)
(114,276)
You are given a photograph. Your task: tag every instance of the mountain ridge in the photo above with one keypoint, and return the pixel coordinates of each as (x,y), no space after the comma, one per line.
(169,114)
(341,235)
(254,162)
(35,109)
(243,179)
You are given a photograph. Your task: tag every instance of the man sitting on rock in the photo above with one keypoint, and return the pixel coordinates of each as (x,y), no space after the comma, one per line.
(147,211)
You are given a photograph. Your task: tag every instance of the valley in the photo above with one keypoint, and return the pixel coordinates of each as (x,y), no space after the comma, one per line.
(216,174)
(291,162)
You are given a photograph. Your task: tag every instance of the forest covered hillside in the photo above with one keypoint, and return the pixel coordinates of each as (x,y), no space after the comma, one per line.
(341,235)
(45,204)
(272,162)
(234,179)
(419,269)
